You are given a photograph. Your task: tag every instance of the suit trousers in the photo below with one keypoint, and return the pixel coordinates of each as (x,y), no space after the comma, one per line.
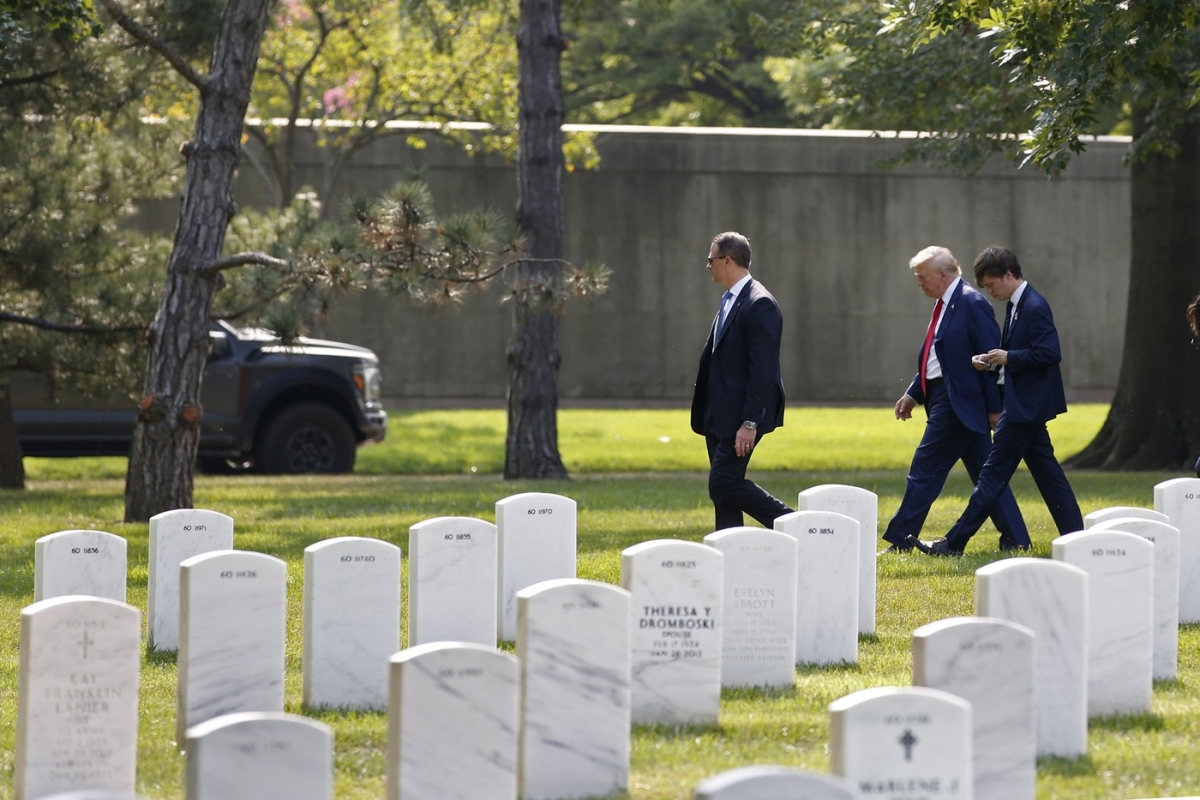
(1014,442)
(732,494)
(946,441)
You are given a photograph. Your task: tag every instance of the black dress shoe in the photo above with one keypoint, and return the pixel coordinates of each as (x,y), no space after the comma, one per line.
(897,548)
(939,548)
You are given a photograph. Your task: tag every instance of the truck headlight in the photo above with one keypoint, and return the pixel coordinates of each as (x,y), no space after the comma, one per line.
(368,380)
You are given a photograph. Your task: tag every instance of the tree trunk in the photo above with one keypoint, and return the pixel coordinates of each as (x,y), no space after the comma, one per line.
(12,468)
(1154,422)
(531,449)
(167,432)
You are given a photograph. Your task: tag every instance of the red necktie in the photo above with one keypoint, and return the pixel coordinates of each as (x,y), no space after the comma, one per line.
(933,321)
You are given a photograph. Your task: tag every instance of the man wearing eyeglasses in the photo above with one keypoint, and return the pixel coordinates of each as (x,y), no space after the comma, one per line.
(739,388)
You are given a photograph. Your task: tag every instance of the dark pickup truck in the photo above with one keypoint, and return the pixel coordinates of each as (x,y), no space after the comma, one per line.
(304,407)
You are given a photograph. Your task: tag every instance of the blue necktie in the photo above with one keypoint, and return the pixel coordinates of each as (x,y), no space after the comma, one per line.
(721,314)
(1008,315)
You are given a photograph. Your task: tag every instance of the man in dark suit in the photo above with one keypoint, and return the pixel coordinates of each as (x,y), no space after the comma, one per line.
(739,389)
(1027,367)
(962,405)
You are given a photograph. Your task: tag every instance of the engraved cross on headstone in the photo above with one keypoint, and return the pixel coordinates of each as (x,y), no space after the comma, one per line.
(85,642)
(908,740)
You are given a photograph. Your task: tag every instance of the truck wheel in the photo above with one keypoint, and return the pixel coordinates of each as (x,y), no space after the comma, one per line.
(307,437)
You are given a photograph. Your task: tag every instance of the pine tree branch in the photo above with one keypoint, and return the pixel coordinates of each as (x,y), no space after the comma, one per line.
(146,37)
(62,327)
(242,260)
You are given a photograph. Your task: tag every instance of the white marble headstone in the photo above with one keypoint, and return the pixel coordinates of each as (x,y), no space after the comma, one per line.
(759,642)
(1051,599)
(827,585)
(773,783)
(265,756)
(231,635)
(676,590)
(176,536)
(1121,512)
(351,621)
(1166,586)
(91,563)
(862,505)
(77,697)
(536,542)
(452,723)
(1179,499)
(902,743)
(989,663)
(573,642)
(452,581)
(1120,568)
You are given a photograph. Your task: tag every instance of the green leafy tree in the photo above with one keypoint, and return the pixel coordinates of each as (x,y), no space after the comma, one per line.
(1076,62)
(77,288)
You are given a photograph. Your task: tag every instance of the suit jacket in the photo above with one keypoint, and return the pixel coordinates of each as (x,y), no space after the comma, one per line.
(1033,387)
(740,379)
(968,327)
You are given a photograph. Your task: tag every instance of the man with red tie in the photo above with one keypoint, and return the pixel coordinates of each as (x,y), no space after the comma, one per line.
(1026,365)
(961,404)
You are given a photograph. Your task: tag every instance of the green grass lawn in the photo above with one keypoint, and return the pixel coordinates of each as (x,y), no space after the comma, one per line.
(638,475)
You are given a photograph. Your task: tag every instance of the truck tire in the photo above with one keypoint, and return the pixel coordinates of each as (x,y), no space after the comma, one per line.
(304,438)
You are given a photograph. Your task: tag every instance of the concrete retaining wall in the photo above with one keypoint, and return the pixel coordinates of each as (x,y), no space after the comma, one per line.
(832,236)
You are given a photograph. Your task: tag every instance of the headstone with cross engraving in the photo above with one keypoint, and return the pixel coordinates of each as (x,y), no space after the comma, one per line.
(536,542)
(1166,586)
(759,641)
(266,756)
(1121,512)
(77,697)
(901,743)
(351,621)
(988,663)
(176,536)
(453,723)
(1179,499)
(773,783)
(79,562)
(676,589)
(1050,598)
(573,641)
(862,505)
(231,636)
(452,581)
(1120,568)
(827,585)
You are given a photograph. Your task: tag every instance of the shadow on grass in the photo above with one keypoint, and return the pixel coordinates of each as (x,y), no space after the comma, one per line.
(757,692)
(1081,767)
(825,669)
(164,657)
(661,730)
(1127,722)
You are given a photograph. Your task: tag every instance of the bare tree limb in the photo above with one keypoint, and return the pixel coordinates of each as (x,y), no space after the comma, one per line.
(146,37)
(242,260)
(62,327)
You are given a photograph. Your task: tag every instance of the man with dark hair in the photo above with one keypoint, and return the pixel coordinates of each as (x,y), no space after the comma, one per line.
(1027,365)
(962,406)
(739,388)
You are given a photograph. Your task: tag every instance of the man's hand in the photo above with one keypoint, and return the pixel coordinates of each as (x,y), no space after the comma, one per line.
(999,357)
(743,443)
(980,362)
(993,420)
(904,408)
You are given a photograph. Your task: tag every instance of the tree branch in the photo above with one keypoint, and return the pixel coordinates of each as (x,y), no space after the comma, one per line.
(146,37)
(62,327)
(37,77)
(242,260)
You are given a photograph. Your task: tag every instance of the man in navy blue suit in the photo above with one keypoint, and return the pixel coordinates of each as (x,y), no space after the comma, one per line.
(961,404)
(739,388)
(1027,367)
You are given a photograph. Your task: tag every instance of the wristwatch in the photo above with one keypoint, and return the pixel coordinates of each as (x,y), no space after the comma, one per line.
(751,424)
